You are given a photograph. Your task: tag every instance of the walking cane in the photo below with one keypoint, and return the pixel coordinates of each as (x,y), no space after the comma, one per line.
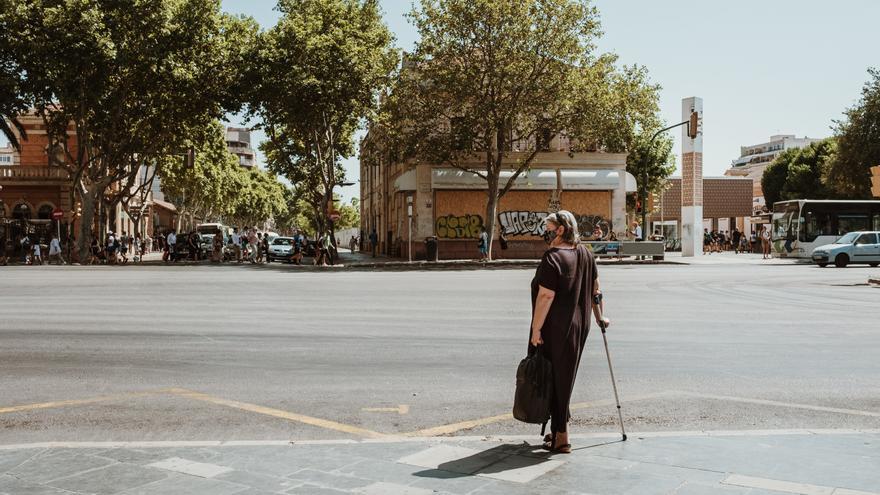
(597,299)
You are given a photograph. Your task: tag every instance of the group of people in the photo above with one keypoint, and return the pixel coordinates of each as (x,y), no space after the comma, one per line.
(32,252)
(115,249)
(716,241)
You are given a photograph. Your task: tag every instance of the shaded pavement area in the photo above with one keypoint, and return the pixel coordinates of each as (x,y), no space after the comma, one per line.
(831,462)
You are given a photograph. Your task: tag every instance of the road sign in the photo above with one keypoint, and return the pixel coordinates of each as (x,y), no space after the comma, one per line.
(875,181)
(57,214)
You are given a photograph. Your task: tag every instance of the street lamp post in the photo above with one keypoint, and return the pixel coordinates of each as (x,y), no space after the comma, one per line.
(692,124)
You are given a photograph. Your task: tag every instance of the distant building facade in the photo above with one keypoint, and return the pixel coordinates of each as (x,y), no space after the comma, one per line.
(753,160)
(450,204)
(238,142)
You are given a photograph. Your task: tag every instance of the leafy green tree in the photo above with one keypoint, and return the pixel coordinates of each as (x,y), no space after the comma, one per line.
(207,189)
(259,199)
(798,173)
(317,75)
(131,76)
(858,139)
(492,82)
(651,164)
(350,213)
(12,99)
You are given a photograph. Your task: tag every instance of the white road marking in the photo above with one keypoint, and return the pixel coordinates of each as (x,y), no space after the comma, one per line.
(788,486)
(192,468)
(793,405)
(401,409)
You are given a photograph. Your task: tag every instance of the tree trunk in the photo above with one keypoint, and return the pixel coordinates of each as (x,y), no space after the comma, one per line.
(491,209)
(88,198)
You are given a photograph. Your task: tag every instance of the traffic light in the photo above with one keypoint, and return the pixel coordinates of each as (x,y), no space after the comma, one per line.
(875,181)
(693,125)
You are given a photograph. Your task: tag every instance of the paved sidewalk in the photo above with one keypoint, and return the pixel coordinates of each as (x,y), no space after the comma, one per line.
(834,462)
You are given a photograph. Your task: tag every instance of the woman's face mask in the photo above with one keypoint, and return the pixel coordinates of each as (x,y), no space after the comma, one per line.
(550,236)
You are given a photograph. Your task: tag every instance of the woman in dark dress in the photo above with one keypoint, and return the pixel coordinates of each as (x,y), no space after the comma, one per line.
(562,300)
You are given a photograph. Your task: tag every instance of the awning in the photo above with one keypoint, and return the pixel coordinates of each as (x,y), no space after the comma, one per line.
(533,180)
(164,204)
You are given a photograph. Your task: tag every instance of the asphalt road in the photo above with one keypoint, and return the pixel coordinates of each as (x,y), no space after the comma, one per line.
(241,352)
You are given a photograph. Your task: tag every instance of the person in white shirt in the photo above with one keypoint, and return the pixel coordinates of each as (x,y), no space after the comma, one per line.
(636,231)
(55,250)
(236,244)
(172,248)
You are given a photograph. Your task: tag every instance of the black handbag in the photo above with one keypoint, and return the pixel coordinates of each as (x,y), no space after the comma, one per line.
(534,389)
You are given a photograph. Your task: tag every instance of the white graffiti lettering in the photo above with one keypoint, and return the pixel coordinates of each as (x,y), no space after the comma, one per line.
(522,222)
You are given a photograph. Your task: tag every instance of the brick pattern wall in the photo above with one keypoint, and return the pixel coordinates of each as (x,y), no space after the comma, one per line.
(722,198)
(692,185)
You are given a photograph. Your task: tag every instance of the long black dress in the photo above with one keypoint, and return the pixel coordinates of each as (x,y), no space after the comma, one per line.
(568,321)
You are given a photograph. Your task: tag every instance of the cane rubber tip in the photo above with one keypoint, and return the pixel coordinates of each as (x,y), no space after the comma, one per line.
(624,437)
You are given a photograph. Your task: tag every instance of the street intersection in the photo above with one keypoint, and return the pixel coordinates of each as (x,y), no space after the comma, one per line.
(270,354)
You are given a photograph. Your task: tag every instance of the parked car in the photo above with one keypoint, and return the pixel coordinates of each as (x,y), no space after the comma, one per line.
(281,248)
(855,247)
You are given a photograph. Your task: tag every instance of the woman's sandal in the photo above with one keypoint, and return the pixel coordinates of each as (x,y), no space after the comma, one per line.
(550,441)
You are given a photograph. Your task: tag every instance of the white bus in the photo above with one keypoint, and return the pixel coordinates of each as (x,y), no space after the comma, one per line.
(798,226)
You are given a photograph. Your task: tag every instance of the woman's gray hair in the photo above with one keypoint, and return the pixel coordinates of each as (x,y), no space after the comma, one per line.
(564,218)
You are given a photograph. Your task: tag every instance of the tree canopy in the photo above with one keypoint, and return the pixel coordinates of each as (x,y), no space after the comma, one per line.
(858,143)
(317,74)
(132,76)
(798,173)
(492,82)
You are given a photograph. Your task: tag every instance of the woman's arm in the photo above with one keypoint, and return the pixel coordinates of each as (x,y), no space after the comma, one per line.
(542,307)
(599,309)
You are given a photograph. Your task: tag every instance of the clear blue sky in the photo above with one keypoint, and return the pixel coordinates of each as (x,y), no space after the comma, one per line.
(762,67)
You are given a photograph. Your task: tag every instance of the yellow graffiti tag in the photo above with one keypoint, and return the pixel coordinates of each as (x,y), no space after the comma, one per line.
(459,226)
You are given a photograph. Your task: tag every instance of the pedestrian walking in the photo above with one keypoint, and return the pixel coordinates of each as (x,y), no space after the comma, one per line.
(297,249)
(25,244)
(123,248)
(265,246)
(110,248)
(55,250)
(765,242)
(171,243)
(236,244)
(37,258)
(736,237)
(374,242)
(483,244)
(259,248)
(352,244)
(94,251)
(253,246)
(562,300)
(217,246)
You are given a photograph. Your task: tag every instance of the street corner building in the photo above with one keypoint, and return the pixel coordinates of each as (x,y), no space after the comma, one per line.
(34,184)
(450,203)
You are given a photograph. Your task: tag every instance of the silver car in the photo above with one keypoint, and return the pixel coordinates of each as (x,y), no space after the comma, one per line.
(281,248)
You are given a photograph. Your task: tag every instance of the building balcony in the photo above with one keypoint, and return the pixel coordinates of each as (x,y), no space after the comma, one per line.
(33,174)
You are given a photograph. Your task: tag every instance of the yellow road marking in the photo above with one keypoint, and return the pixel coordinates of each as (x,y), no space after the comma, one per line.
(467,425)
(278,413)
(79,402)
(401,409)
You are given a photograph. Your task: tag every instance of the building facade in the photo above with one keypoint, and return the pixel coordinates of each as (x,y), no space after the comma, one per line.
(727,204)
(753,160)
(32,186)
(238,142)
(406,203)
